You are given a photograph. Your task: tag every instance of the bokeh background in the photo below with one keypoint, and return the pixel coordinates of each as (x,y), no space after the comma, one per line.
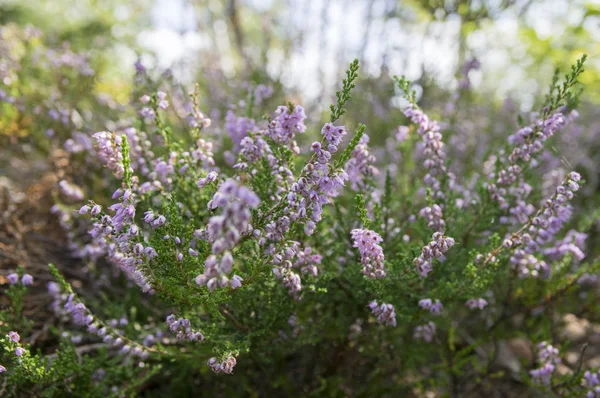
(306,45)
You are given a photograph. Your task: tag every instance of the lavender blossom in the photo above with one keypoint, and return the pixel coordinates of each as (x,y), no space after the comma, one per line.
(183,329)
(14,337)
(284,126)
(226,366)
(372,257)
(439,245)
(110,152)
(361,164)
(476,303)
(425,332)
(434,307)
(385,313)
(548,359)
(13,278)
(27,280)
(225,231)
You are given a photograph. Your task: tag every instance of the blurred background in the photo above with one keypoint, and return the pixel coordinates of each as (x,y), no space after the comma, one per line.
(304,46)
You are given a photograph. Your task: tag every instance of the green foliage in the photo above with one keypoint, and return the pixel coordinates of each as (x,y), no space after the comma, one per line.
(343,96)
(562,94)
(404,85)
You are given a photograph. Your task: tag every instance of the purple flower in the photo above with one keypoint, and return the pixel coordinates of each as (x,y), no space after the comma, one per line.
(19,351)
(182,327)
(372,257)
(110,152)
(2,369)
(361,164)
(435,249)
(238,128)
(226,366)
(476,303)
(425,332)
(27,280)
(14,337)
(162,101)
(434,307)
(284,126)
(12,278)
(210,177)
(385,313)
(548,357)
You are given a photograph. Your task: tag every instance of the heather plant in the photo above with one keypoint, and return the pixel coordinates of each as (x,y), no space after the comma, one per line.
(230,255)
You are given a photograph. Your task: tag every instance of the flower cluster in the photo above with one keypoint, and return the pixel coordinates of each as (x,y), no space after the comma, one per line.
(361,164)
(528,141)
(439,245)
(287,122)
(225,231)
(317,185)
(26,279)
(70,191)
(434,307)
(548,358)
(480,303)
(371,254)
(542,229)
(238,128)
(226,366)
(118,236)
(433,150)
(425,332)
(110,152)
(385,313)
(592,383)
(183,329)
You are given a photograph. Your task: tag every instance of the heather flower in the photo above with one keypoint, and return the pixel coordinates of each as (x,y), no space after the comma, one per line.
(14,337)
(425,332)
(433,149)
(439,245)
(372,257)
(203,153)
(542,229)
(434,216)
(78,311)
(197,119)
(527,142)
(360,165)
(548,359)
(110,152)
(225,366)
(162,102)
(238,128)
(210,177)
(284,126)
(27,280)
(385,313)
(434,307)
(70,191)
(225,231)
(476,303)
(307,260)
(183,329)
(591,381)
(13,278)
